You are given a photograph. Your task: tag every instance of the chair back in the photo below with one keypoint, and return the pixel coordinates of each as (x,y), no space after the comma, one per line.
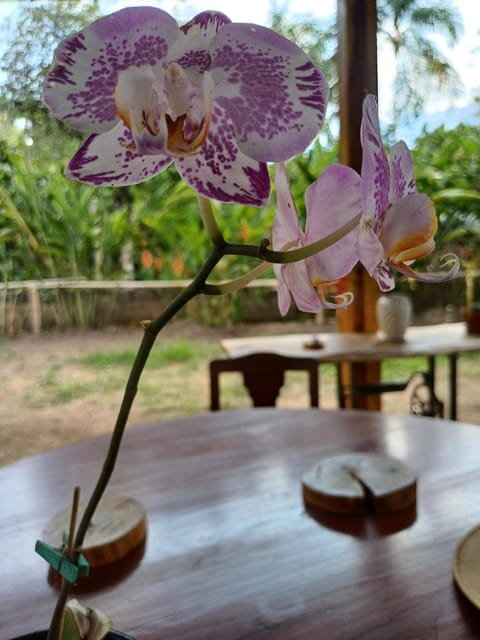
(263,376)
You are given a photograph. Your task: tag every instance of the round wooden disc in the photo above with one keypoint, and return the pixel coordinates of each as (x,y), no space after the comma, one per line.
(359,483)
(118,527)
(466,566)
(314,343)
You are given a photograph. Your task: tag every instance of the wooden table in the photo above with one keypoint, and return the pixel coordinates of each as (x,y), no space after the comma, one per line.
(231,552)
(431,341)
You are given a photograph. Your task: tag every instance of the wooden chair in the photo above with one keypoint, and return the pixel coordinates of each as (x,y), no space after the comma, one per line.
(263,376)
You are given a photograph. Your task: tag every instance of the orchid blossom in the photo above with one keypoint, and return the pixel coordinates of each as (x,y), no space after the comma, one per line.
(332,200)
(398,224)
(218,99)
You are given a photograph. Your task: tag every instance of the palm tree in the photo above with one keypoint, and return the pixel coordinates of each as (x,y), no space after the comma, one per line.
(411,28)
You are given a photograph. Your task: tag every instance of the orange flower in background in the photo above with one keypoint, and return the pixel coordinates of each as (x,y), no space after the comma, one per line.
(157,264)
(146,259)
(178,266)
(245,232)
(342,285)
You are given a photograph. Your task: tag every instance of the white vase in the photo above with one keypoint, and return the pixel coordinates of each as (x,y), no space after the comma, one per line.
(394,314)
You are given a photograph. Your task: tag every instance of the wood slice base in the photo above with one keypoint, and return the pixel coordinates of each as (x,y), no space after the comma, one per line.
(117,531)
(359,483)
(466,566)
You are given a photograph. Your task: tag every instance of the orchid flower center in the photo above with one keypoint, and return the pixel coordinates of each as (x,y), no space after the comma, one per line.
(190,100)
(168,112)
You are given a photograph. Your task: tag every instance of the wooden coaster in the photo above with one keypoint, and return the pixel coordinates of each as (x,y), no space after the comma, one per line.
(118,527)
(359,483)
(313,344)
(466,566)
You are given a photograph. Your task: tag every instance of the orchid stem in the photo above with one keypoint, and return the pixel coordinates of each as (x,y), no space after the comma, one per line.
(210,221)
(152,330)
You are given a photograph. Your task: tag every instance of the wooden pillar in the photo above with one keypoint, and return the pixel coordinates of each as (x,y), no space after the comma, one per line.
(35,309)
(357,72)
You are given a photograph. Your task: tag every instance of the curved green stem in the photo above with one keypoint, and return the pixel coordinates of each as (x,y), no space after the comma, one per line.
(294,255)
(221,288)
(210,222)
(309,250)
(271,257)
(151,332)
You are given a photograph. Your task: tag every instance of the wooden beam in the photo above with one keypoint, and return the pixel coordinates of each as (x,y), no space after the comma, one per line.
(357,71)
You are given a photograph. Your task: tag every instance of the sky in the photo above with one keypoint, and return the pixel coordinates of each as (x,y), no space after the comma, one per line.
(462,56)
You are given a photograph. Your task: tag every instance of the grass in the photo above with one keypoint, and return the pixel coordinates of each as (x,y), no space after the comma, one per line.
(180,350)
(51,388)
(401,368)
(72,390)
(175,380)
(169,385)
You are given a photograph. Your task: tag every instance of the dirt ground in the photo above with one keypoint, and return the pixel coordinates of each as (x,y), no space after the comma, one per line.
(29,425)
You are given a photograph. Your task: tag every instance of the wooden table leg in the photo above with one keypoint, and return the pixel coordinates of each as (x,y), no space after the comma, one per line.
(452,378)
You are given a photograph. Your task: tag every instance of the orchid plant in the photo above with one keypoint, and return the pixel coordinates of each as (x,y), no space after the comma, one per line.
(221,100)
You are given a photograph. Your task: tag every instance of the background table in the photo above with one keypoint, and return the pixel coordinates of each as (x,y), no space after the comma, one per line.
(231,552)
(430,341)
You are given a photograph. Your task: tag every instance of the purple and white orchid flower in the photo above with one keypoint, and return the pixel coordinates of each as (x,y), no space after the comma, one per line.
(398,224)
(219,99)
(331,201)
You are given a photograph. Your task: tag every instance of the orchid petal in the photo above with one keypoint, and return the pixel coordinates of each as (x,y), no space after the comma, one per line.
(274,94)
(286,234)
(303,280)
(108,159)
(384,276)
(450,261)
(190,98)
(375,170)
(297,280)
(369,248)
(286,228)
(137,103)
(398,225)
(81,85)
(342,300)
(403,180)
(220,171)
(191,48)
(408,229)
(283,293)
(332,200)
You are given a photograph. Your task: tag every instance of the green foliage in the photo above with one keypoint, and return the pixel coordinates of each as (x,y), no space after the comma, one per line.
(447,167)
(32,38)
(169,240)
(51,227)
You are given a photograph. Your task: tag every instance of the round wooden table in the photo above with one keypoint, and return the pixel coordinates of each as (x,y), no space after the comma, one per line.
(231,552)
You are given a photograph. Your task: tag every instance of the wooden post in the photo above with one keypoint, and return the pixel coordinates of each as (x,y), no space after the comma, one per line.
(35,309)
(357,71)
